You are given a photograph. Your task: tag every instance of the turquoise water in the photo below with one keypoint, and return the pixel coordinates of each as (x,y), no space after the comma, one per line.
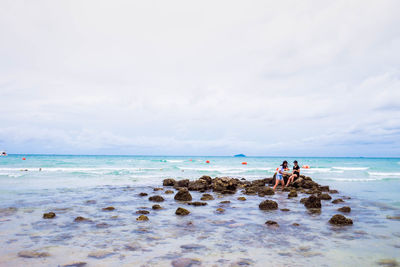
(238,236)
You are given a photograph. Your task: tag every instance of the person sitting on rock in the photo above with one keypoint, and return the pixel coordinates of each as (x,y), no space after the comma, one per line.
(279,175)
(295,173)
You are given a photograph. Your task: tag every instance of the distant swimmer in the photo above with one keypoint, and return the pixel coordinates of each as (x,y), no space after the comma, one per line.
(40,169)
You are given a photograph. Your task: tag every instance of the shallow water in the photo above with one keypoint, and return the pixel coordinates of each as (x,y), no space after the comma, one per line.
(74,186)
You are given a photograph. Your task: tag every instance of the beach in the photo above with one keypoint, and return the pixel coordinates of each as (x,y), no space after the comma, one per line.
(229,230)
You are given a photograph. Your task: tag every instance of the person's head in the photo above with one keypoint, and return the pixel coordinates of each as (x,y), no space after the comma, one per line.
(284,164)
(295,163)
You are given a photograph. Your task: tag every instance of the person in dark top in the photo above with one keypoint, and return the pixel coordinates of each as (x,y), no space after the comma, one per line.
(295,173)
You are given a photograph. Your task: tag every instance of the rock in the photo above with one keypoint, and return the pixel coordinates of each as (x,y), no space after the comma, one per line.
(32,254)
(313,202)
(265,191)
(198,185)
(325,196)
(206,178)
(286,189)
(156,198)
(100,254)
(156,207)
(108,209)
(75,264)
(220,210)
(142,218)
(345,209)
(197,203)
(91,202)
(388,262)
(49,215)
(183,195)
(295,224)
(268,205)
(292,193)
(143,194)
(393,217)
(81,219)
(225,185)
(250,190)
(271,223)
(142,212)
(338,200)
(241,198)
(158,189)
(169,182)
(225,202)
(102,225)
(339,219)
(303,200)
(181,183)
(185,262)
(169,192)
(192,247)
(285,210)
(206,197)
(324,188)
(182,212)
(133,246)
(333,191)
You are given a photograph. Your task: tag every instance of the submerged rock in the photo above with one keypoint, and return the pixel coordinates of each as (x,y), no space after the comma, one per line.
(100,254)
(285,210)
(339,219)
(241,198)
(197,203)
(303,200)
(393,217)
(268,205)
(183,195)
(81,219)
(169,182)
(225,202)
(182,212)
(108,209)
(271,223)
(206,197)
(220,210)
(325,196)
(91,202)
(142,212)
(142,218)
(388,262)
(143,194)
(295,224)
(169,192)
(158,189)
(312,202)
(75,264)
(333,191)
(156,207)
(344,209)
(324,188)
(156,198)
(32,254)
(338,200)
(133,246)
(102,225)
(293,193)
(265,191)
(185,262)
(49,215)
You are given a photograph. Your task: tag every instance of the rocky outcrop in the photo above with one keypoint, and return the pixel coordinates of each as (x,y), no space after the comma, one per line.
(181,183)
(265,191)
(312,202)
(169,182)
(339,219)
(268,205)
(183,195)
(225,185)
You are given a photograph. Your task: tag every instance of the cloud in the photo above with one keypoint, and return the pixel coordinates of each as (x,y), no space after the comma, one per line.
(261,78)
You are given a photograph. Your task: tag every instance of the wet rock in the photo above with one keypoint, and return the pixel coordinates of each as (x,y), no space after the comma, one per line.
(285,210)
(169,192)
(324,188)
(156,198)
(271,223)
(325,196)
(313,202)
(303,200)
(206,197)
(199,185)
(156,207)
(142,218)
(265,191)
(182,212)
(286,189)
(91,202)
(345,209)
(241,198)
(81,219)
(158,189)
(333,191)
(295,224)
(225,202)
(220,210)
(102,225)
(197,203)
(338,200)
(185,262)
(292,193)
(250,190)
(181,183)
(169,182)
(143,194)
(268,205)
(108,209)
(75,264)
(100,254)
(393,217)
(192,247)
(225,185)
(313,191)
(183,195)
(49,215)
(206,178)
(32,254)
(142,212)
(388,262)
(339,219)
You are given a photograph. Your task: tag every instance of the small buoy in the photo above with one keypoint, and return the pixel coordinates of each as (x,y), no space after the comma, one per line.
(244,163)
(23,158)
(305,167)
(190,160)
(207,161)
(277,169)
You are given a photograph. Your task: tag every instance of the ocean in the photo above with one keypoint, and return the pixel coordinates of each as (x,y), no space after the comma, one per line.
(74,186)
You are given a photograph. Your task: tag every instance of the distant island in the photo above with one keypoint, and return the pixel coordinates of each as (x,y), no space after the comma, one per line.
(240,155)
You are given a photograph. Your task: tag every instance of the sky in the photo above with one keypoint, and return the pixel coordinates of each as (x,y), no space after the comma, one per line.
(268,78)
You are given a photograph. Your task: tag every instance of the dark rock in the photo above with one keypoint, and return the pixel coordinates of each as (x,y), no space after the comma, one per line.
(393,217)
(142,212)
(158,189)
(182,212)
(75,264)
(324,188)
(295,224)
(206,197)
(271,223)
(313,202)
(388,263)
(169,182)
(345,209)
(268,205)
(108,209)
(241,198)
(156,207)
(49,215)
(197,203)
(225,185)
(32,254)
(220,210)
(292,193)
(333,191)
(198,185)
(142,218)
(169,192)
(286,189)
(325,196)
(156,198)
(192,247)
(285,209)
(206,178)
(81,219)
(143,194)
(265,191)
(339,219)
(303,200)
(133,246)
(102,225)
(225,202)
(91,202)
(181,183)
(338,200)
(183,195)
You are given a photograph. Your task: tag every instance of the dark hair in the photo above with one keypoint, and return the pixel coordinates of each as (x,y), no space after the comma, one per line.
(283,163)
(295,161)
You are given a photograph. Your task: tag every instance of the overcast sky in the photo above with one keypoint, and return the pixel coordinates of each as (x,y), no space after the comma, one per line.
(296,78)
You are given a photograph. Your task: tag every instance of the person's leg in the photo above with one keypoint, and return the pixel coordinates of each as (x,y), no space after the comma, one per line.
(283,184)
(276,183)
(289,180)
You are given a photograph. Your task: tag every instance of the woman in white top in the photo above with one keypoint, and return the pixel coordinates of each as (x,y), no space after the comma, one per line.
(279,175)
